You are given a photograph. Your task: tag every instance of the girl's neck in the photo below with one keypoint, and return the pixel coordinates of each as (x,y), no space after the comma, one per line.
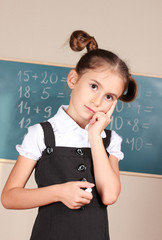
(78,120)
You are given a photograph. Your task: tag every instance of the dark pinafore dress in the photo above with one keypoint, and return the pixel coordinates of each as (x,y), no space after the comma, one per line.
(56,221)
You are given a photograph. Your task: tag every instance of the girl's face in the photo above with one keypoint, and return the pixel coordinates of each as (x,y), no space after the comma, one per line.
(94,91)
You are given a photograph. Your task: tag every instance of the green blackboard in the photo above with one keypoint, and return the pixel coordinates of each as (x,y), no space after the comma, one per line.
(32,93)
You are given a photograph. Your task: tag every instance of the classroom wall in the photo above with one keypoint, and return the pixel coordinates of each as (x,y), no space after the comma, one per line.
(38,30)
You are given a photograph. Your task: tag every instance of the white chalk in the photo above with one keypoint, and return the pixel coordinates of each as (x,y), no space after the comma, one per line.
(88,190)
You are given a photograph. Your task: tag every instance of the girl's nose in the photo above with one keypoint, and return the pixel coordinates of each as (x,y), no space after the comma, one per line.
(97,100)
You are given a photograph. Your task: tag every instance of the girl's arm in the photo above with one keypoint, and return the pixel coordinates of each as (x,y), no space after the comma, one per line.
(16,196)
(106,169)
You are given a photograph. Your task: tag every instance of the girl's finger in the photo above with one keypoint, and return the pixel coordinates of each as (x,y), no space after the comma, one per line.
(111,110)
(93,119)
(85,184)
(84,201)
(86,196)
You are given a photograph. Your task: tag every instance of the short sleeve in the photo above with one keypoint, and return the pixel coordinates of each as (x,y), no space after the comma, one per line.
(114,147)
(33,143)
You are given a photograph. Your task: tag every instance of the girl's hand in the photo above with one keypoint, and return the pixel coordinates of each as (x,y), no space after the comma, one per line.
(100,120)
(73,196)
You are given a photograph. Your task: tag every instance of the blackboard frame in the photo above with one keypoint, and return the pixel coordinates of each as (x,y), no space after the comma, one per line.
(71,66)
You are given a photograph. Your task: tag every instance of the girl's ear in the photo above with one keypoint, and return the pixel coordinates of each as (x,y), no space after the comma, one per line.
(72,78)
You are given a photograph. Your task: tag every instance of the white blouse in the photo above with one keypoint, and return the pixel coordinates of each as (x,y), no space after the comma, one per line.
(67,134)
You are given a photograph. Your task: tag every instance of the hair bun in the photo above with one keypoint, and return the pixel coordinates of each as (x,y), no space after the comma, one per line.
(80,39)
(132,90)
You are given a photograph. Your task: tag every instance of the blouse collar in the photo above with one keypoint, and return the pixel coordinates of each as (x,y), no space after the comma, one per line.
(64,123)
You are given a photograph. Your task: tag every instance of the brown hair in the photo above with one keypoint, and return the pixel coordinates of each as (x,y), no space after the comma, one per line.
(96,57)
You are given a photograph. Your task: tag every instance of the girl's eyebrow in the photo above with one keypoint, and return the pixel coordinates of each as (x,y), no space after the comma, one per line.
(102,87)
(97,82)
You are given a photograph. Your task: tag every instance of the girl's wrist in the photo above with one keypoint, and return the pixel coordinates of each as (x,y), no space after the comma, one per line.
(95,137)
(57,192)
(61,192)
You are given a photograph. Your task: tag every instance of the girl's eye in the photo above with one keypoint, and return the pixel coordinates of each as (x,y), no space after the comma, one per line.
(109,97)
(94,86)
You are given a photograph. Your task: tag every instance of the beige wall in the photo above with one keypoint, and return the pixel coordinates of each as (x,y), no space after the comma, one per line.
(37,30)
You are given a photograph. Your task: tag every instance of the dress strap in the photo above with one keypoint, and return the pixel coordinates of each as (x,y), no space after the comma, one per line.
(106,140)
(49,137)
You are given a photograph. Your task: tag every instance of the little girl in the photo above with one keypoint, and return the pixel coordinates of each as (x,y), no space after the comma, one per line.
(75,158)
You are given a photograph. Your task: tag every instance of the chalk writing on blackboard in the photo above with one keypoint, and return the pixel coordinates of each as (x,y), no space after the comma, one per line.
(33,85)
(47,81)
(135,124)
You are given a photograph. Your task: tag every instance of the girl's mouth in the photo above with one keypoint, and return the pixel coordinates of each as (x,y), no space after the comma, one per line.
(89,109)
